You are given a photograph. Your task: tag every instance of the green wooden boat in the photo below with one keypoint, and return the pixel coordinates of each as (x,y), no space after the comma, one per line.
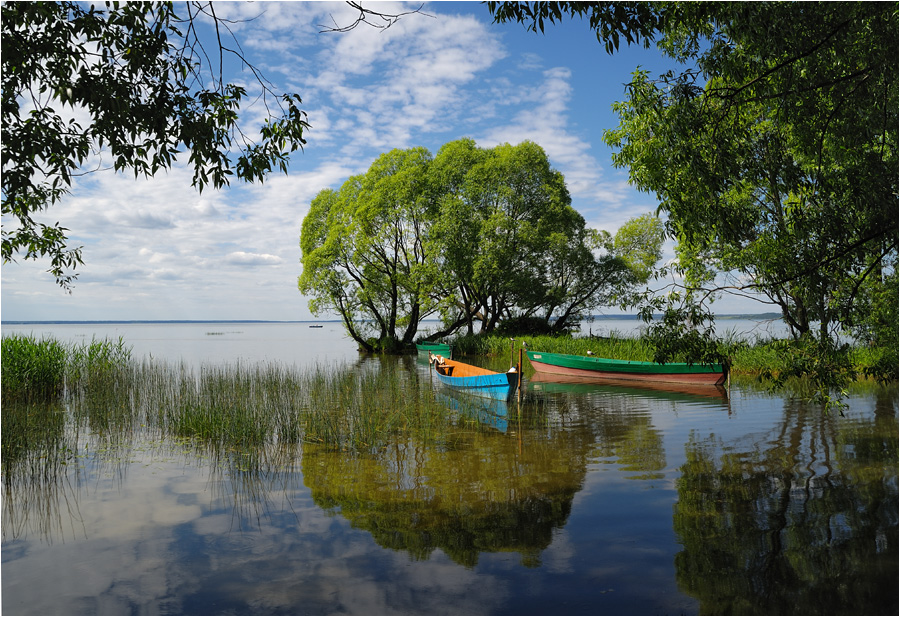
(438,349)
(604,368)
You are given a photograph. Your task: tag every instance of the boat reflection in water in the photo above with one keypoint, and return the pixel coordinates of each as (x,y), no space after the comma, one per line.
(549,382)
(489,412)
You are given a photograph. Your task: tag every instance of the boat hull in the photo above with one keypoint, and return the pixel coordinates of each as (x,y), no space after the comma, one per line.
(475,380)
(622,370)
(546,382)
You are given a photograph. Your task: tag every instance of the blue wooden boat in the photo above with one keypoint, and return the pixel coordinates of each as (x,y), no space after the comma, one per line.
(474,379)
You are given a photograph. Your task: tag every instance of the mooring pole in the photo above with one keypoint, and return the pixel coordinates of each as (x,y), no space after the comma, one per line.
(521,376)
(728,376)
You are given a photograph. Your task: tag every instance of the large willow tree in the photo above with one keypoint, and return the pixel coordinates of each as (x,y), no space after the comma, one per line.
(471,236)
(364,250)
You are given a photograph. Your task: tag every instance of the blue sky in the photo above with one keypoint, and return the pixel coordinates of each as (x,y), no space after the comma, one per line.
(157,249)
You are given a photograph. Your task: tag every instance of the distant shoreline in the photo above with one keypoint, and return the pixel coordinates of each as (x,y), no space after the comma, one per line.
(749,316)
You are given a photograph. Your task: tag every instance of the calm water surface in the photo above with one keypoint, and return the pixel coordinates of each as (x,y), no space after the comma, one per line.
(595,500)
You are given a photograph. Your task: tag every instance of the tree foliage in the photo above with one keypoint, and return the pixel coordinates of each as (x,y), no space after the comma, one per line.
(473,236)
(773,153)
(636,22)
(364,250)
(128,87)
(778,159)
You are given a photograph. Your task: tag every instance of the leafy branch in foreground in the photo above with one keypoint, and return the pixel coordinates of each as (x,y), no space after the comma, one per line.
(139,86)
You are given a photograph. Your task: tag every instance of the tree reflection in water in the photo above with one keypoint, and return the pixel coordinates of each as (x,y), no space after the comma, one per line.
(804,518)
(482,493)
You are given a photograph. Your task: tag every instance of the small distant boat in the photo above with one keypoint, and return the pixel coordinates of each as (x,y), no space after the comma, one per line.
(316,326)
(441,349)
(625,370)
(474,379)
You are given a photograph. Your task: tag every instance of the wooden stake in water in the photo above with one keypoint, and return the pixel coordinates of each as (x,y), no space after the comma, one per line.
(519,369)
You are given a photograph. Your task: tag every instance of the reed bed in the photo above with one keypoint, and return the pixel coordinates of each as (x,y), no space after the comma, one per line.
(614,346)
(32,370)
(39,380)
(43,370)
(247,408)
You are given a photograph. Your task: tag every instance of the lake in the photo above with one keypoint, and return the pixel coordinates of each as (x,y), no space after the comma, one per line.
(581,499)
(294,343)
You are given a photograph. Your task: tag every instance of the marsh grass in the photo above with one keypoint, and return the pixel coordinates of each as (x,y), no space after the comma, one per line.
(231,408)
(96,364)
(613,346)
(32,370)
(253,407)
(39,380)
(43,370)
(361,410)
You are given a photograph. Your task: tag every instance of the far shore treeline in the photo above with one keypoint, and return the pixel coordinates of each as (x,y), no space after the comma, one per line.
(479,238)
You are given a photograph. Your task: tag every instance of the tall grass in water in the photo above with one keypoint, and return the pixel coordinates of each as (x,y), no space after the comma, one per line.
(240,407)
(94,363)
(256,406)
(94,371)
(39,379)
(32,370)
(361,410)
(40,370)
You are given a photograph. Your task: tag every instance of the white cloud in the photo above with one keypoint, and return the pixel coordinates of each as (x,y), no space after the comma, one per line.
(242,258)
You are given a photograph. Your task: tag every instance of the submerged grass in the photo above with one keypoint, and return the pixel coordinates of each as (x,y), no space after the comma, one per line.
(242,407)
